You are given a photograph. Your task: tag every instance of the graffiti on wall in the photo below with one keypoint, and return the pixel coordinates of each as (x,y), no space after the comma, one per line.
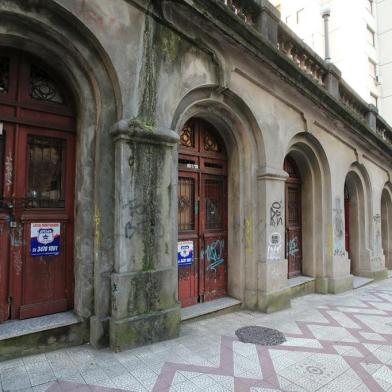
(274,246)
(338,226)
(249,235)
(293,247)
(142,218)
(215,253)
(276,215)
(8,172)
(94,13)
(97,222)
(330,240)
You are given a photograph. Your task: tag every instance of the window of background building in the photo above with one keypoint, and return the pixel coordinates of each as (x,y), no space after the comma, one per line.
(372,69)
(371,36)
(299,15)
(374,100)
(369,6)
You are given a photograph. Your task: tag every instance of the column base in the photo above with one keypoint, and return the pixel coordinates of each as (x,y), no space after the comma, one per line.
(322,285)
(376,275)
(145,329)
(250,299)
(340,285)
(274,301)
(99,332)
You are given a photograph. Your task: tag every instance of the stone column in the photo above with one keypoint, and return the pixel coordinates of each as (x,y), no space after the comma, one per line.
(332,79)
(273,291)
(377,269)
(338,271)
(372,117)
(267,21)
(144,284)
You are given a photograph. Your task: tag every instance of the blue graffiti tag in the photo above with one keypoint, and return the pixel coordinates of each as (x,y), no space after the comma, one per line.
(214,254)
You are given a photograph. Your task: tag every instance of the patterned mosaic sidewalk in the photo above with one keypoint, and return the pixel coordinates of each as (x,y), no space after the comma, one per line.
(334,343)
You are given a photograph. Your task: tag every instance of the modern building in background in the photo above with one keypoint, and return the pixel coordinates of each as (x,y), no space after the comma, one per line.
(360,36)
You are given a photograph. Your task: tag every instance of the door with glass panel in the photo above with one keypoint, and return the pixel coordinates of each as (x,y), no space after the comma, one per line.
(202,214)
(37,147)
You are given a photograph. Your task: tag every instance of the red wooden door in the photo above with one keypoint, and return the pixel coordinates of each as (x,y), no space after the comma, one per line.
(293,219)
(37,190)
(202,214)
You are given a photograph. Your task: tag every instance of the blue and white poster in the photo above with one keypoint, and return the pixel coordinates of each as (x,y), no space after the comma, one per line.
(185,252)
(45,239)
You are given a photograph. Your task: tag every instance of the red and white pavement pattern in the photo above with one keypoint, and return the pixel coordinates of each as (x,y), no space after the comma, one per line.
(334,343)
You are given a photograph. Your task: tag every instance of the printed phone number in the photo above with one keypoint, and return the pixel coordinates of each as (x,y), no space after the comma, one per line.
(45,249)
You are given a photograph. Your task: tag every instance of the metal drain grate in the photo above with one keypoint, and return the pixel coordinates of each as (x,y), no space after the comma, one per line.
(260,335)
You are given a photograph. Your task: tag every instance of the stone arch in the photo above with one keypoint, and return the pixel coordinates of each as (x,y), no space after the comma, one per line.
(245,151)
(60,40)
(386,224)
(359,218)
(313,166)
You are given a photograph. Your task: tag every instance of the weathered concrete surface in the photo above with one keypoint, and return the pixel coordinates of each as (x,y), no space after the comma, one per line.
(44,341)
(144,282)
(164,63)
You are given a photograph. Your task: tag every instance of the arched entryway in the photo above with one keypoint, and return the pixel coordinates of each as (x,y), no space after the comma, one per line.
(37,171)
(202,214)
(308,210)
(293,218)
(357,219)
(386,225)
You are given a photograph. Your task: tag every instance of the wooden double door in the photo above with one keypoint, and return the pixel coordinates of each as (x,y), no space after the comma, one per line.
(293,218)
(37,148)
(202,214)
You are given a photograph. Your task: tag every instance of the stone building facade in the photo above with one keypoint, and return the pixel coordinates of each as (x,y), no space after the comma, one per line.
(190,150)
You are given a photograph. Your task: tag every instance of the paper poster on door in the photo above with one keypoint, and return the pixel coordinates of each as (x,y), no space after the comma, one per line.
(45,239)
(185,252)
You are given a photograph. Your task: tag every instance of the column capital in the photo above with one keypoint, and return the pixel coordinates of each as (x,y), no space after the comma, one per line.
(137,130)
(271,173)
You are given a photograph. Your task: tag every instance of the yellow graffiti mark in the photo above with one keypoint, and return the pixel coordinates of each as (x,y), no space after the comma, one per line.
(330,241)
(97,221)
(249,235)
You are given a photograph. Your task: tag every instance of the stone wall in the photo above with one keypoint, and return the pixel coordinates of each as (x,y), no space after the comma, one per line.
(157,64)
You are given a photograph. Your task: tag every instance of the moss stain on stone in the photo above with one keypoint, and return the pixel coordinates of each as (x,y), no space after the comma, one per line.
(162,46)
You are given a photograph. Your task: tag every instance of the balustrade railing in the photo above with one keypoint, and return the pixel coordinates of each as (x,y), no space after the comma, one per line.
(238,8)
(384,131)
(299,53)
(352,102)
(291,46)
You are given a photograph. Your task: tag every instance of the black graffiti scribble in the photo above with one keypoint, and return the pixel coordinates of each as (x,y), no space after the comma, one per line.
(144,219)
(276,217)
(377,218)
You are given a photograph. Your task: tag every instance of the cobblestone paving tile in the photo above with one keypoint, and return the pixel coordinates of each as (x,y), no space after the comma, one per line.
(334,343)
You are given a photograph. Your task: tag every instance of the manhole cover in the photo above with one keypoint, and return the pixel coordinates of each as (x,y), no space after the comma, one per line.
(260,335)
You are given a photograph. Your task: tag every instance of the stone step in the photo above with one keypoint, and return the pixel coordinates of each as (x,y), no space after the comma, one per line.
(214,307)
(359,281)
(302,285)
(41,334)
